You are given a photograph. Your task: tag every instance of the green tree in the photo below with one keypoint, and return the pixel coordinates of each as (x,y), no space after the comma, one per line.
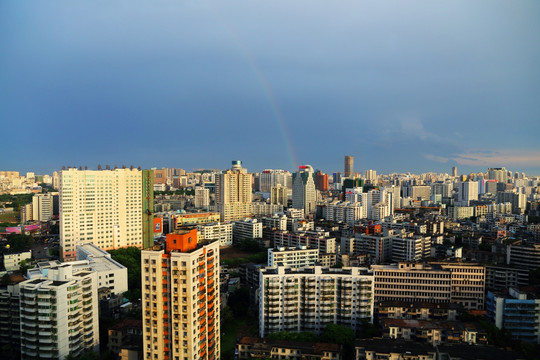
(239,301)
(249,245)
(24,266)
(342,335)
(294,336)
(19,242)
(337,334)
(368,330)
(131,258)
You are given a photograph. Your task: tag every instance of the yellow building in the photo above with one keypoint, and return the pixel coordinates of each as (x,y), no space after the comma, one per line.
(233,193)
(102,207)
(181,220)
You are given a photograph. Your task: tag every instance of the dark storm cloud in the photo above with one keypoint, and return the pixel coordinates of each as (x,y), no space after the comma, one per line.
(413,85)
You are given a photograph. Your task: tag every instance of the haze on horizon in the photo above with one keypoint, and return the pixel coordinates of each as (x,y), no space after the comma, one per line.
(402,86)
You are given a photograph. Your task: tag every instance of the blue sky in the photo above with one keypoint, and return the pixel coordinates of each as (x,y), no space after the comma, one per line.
(400,85)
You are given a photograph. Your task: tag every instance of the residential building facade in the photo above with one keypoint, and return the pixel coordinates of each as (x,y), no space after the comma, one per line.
(180,298)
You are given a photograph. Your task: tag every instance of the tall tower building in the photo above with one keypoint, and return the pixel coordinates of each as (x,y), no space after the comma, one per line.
(279,195)
(371,176)
(233,193)
(499,174)
(180,298)
(304,192)
(107,208)
(270,178)
(42,207)
(349,166)
(454,171)
(321,181)
(468,191)
(202,197)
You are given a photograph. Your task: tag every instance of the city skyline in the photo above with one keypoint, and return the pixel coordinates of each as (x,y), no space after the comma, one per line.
(401,87)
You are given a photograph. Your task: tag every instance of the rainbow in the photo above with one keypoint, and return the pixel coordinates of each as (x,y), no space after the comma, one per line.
(265,86)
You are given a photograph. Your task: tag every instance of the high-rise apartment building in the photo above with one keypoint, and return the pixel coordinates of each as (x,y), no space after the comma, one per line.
(467,192)
(202,197)
(321,181)
(59,313)
(10,326)
(233,193)
(56,180)
(223,232)
(516,311)
(180,299)
(270,178)
(380,204)
(109,208)
(349,166)
(279,195)
(26,213)
(410,247)
(247,229)
(309,299)
(417,192)
(499,174)
(293,257)
(443,189)
(371,176)
(42,207)
(304,192)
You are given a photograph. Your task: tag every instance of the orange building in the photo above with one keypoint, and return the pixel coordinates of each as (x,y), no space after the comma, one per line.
(180,298)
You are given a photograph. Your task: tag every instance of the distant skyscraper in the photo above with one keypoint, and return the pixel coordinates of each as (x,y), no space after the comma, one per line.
(105,207)
(454,171)
(278,195)
(304,193)
(468,191)
(349,166)
(371,176)
(180,299)
(42,207)
(233,193)
(321,181)
(499,174)
(202,197)
(269,178)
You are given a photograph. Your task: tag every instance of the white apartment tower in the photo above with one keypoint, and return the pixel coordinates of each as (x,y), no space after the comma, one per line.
(202,197)
(59,314)
(233,193)
(217,231)
(102,207)
(468,191)
(304,194)
(42,207)
(380,204)
(180,299)
(308,299)
(270,178)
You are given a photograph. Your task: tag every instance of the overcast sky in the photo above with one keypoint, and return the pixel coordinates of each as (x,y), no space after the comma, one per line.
(400,85)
